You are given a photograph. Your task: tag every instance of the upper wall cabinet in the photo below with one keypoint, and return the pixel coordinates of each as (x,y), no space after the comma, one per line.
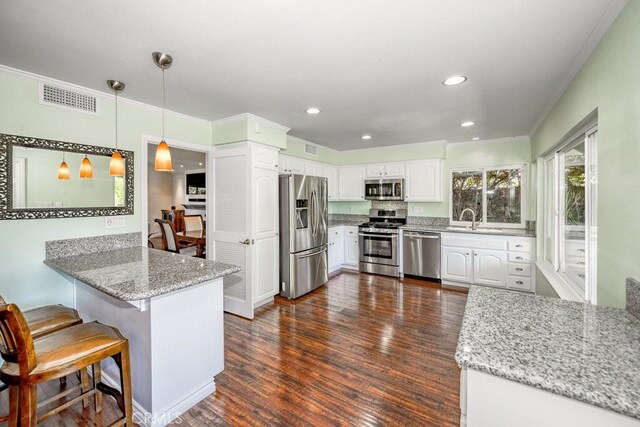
(332,182)
(288,164)
(423,181)
(382,170)
(351,183)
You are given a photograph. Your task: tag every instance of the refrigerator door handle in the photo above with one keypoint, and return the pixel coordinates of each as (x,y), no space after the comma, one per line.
(313,254)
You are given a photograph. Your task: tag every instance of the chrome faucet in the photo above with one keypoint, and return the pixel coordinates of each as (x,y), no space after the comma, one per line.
(473,220)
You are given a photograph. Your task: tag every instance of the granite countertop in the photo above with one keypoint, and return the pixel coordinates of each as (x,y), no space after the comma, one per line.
(338,223)
(443,229)
(580,351)
(137,273)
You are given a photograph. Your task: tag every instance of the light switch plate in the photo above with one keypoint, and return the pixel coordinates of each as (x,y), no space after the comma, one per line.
(114,222)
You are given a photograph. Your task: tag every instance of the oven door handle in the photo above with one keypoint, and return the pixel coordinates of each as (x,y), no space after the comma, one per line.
(392,236)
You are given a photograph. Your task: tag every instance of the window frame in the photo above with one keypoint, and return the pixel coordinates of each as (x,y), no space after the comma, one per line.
(483,221)
(560,281)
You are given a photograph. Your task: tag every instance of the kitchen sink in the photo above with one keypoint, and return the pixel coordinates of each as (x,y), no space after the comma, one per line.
(479,230)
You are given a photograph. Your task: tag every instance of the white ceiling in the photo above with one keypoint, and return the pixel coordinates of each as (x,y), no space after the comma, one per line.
(371,66)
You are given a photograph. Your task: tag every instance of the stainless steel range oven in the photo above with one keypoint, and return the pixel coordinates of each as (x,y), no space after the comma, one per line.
(378,241)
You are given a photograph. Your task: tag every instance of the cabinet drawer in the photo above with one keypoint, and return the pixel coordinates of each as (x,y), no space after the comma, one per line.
(519,257)
(518,269)
(350,231)
(519,245)
(336,232)
(523,283)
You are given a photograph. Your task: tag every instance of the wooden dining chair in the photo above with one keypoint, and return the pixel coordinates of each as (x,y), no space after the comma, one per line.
(30,362)
(192,223)
(170,240)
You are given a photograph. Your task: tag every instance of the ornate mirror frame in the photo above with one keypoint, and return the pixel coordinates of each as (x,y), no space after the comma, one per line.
(7,142)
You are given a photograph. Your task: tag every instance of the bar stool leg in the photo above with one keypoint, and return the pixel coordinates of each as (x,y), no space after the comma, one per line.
(84,377)
(97,377)
(28,406)
(125,384)
(14,400)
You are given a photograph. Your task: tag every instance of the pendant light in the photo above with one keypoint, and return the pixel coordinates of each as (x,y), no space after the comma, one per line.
(86,170)
(116,165)
(163,155)
(63,170)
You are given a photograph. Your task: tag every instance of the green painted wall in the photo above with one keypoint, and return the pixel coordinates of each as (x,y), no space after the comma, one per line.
(24,279)
(247,127)
(608,82)
(295,147)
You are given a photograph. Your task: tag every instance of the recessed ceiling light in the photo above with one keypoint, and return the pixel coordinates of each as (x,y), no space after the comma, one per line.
(313,110)
(467,124)
(181,166)
(366,137)
(200,163)
(454,80)
(475,138)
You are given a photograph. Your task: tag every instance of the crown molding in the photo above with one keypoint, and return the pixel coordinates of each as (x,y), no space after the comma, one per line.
(598,33)
(247,116)
(60,83)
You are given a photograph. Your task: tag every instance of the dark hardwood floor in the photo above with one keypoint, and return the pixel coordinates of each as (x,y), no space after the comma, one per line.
(362,350)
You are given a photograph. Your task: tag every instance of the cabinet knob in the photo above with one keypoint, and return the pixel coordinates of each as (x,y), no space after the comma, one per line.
(518,269)
(467,253)
(520,282)
(518,257)
(518,246)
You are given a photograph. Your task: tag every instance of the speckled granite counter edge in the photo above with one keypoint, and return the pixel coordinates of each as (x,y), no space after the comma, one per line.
(88,245)
(135,296)
(595,398)
(633,297)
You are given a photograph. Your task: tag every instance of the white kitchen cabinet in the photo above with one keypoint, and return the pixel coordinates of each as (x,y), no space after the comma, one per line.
(288,164)
(351,251)
(351,183)
(489,268)
(385,170)
(336,248)
(332,182)
(314,169)
(501,261)
(423,181)
(457,265)
(244,229)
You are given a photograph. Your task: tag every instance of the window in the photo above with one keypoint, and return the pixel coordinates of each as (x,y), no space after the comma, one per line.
(494,194)
(118,191)
(570,181)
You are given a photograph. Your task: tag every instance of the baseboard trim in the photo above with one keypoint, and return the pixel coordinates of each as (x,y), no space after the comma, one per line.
(142,417)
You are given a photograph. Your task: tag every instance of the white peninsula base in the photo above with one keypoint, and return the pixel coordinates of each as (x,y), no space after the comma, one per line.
(176,343)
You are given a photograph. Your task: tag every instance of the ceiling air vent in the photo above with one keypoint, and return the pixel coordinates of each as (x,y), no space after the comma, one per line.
(69,99)
(310,149)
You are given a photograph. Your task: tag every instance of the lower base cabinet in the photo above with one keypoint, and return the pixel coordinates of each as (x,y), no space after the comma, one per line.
(499,261)
(344,251)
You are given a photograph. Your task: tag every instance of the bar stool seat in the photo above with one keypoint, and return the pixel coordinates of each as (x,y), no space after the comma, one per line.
(51,318)
(29,362)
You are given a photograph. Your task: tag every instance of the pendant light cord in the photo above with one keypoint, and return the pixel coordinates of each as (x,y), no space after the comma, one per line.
(116,120)
(163,104)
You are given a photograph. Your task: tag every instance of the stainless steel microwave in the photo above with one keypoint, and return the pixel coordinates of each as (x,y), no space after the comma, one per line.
(384,189)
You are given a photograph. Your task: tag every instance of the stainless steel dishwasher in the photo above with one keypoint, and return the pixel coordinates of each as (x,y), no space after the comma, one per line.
(421,254)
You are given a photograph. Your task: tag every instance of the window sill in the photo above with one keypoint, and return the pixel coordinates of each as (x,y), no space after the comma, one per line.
(562,288)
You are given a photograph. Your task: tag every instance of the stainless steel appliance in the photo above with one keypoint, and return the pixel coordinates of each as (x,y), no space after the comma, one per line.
(421,254)
(384,189)
(303,234)
(378,240)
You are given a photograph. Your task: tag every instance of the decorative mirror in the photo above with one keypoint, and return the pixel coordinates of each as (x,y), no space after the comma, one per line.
(42,178)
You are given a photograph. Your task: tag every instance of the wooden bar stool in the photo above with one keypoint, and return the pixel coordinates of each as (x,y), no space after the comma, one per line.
(29,362)
(46,320)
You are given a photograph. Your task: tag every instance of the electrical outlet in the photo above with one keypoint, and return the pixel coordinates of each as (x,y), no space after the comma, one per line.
(114,222)
(418,209)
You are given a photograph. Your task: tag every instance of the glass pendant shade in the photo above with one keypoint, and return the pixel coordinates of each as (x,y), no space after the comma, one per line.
(86,170)
(163,158)
(116,165)
(63,171)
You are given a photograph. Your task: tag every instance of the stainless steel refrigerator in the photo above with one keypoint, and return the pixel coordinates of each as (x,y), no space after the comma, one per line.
(303,234)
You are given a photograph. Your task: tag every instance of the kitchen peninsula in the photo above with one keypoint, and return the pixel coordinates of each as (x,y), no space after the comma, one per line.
(169,306)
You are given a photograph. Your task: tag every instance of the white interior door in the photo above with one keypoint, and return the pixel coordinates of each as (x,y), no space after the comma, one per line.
(232,226)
